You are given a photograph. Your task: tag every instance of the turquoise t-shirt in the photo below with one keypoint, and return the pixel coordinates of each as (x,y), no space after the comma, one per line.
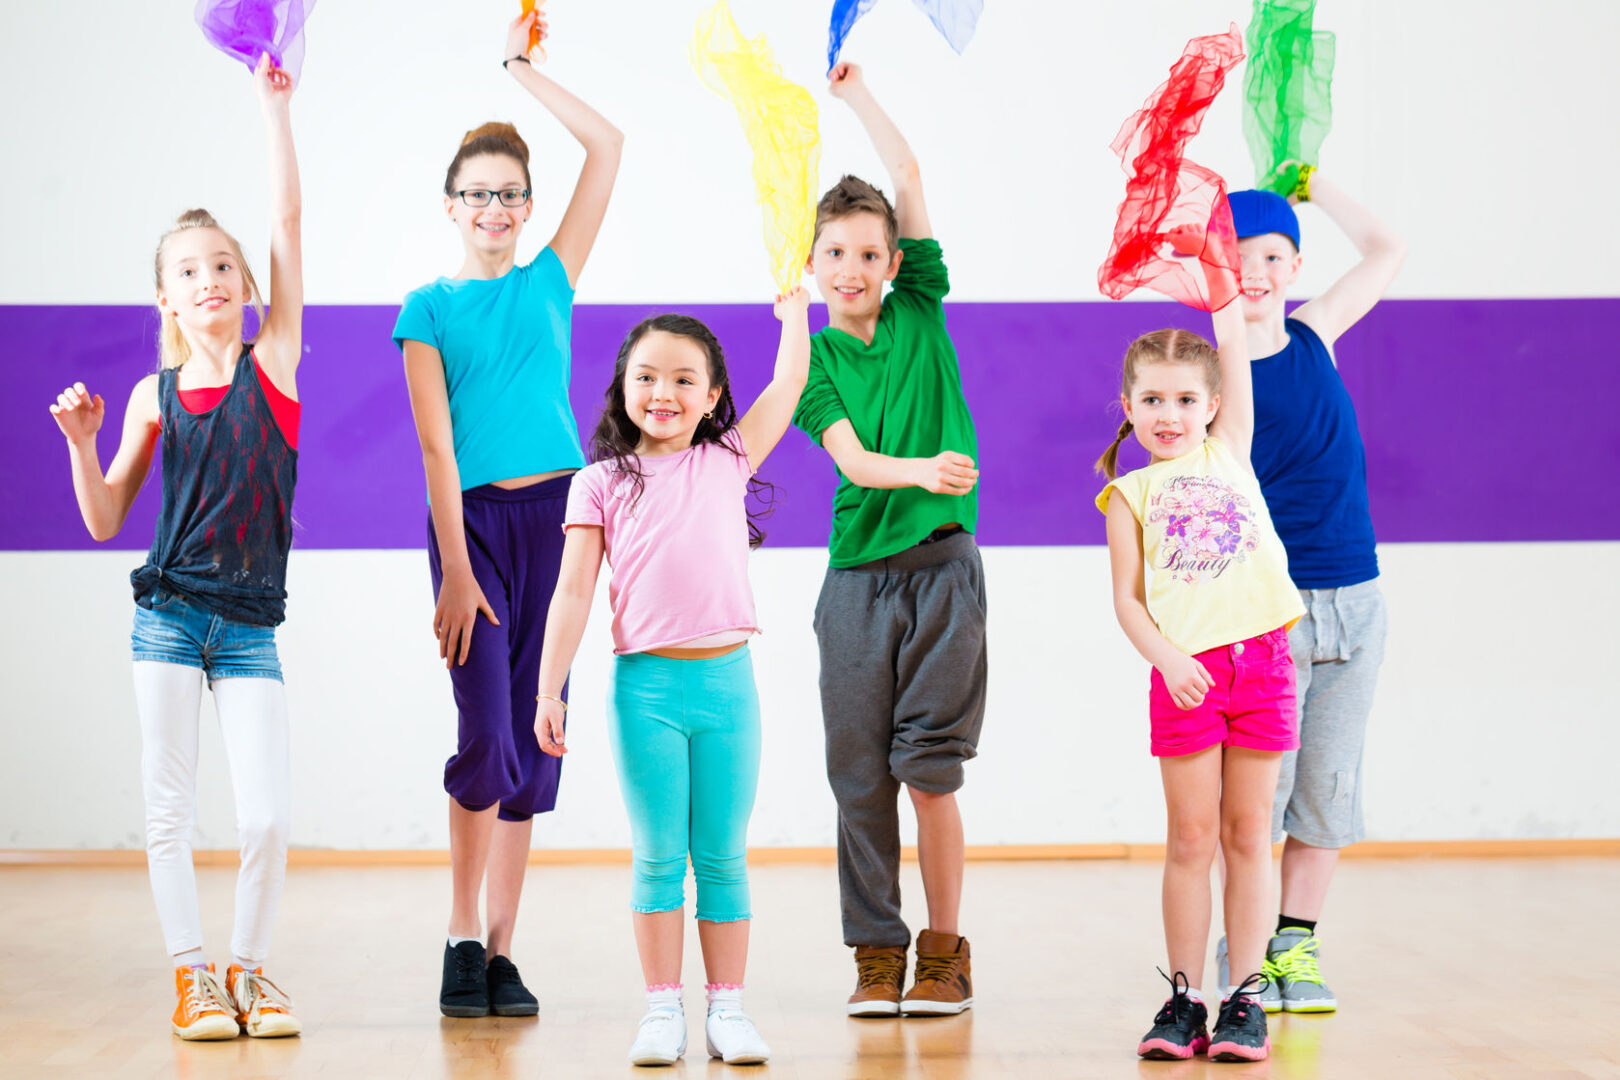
(506,346)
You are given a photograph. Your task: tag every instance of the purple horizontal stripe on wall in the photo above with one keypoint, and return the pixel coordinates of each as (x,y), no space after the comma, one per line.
(1462,403)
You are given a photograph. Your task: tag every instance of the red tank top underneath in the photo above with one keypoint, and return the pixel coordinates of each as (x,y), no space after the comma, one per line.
(283,408)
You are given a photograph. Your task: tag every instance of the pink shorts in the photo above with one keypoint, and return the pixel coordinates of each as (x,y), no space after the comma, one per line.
(1251,705)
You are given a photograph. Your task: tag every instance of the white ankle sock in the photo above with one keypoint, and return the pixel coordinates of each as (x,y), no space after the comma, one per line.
(454,941)
(724,996)
(1196,994)
(664,996)
(247,965)
(190,958)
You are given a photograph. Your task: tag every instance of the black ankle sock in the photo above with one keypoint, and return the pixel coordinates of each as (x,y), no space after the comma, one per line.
(1286,921)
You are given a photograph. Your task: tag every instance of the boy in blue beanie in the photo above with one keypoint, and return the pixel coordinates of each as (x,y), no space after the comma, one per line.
(1312,467)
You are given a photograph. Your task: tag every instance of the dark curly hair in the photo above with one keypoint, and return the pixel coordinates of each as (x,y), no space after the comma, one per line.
(617,436)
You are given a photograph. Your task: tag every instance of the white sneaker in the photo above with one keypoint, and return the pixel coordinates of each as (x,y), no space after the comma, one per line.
(733,1038)
(661,1039)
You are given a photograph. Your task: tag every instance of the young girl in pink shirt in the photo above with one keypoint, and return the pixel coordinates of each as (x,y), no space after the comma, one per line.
(664,502)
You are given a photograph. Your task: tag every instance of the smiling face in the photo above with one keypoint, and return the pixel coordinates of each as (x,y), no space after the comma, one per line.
(851,260)
(201,282)
(495,228)
(667,390)
(1170,407)
(1270,263)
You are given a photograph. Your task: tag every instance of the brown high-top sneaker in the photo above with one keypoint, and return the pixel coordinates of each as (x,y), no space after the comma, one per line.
(880,976)
(944,977)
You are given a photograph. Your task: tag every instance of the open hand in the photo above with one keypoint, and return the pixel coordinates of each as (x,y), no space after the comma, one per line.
(548,727)
(460,601)
(947,473)
(1187,680)
(517,36)
(78,413)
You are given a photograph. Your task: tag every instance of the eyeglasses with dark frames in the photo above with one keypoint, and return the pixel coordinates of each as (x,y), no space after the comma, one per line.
(478,197)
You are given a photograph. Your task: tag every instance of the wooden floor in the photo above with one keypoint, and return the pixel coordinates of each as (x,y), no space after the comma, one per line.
(1445,968)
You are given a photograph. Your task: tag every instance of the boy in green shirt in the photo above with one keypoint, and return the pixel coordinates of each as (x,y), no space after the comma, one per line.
(901,617)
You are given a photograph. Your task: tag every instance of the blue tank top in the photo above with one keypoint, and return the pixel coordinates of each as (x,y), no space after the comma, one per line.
(1312,464)
(225,527)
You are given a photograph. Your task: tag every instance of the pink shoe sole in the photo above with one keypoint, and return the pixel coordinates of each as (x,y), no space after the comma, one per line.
(1165,1050)
(1233,1052)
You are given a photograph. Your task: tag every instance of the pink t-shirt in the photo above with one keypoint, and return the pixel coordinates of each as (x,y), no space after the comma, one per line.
(680,554)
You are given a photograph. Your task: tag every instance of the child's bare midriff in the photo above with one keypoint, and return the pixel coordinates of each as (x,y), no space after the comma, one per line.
(517,482)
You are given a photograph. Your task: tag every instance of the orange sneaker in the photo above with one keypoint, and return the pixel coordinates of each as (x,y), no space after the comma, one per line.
(944,977)
(204,1009)
(880,975)
(262,1009)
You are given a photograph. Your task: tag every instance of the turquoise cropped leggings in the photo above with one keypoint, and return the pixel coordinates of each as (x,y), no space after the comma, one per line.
(686,741)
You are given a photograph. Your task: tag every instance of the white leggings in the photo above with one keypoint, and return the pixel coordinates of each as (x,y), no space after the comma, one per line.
(253,724)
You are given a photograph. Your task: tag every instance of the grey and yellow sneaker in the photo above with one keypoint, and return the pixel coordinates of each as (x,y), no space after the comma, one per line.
(1291,963)
(1270,998)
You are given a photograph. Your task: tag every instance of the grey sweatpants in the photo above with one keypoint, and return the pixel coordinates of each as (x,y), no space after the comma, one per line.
(1338,647)
(903,668)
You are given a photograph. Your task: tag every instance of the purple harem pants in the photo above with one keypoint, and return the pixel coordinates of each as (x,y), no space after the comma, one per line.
(515,541)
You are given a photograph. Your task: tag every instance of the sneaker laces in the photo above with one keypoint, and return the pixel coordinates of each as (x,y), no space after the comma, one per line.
(1298,964)
(1235,1009)
(882,969)
(502,970)
(204,994)
(935,967)
(469,969)
(1180,1003)
(261,993)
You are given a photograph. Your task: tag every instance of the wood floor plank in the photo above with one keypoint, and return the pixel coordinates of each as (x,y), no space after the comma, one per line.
(1457,968)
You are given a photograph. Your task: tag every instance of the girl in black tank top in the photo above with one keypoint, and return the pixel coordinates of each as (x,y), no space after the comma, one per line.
(214,586)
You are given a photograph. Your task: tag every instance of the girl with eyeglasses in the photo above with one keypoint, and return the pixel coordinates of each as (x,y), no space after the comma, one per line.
(487,365)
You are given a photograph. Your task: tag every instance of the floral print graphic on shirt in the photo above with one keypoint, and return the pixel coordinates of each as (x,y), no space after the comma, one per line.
(1207,525)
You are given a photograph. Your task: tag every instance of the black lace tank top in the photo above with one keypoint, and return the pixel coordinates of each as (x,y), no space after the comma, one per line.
(225,528)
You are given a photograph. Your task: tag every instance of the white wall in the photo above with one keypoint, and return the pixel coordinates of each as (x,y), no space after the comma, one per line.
(1478,129)
(1492,720)
(1475,128)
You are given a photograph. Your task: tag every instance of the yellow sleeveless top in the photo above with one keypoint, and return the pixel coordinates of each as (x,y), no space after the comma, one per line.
(1216,573)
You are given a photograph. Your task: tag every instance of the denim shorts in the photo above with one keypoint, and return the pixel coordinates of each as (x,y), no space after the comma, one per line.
(177,631)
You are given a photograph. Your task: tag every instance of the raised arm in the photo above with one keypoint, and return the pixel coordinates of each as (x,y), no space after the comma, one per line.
(1234,423)
(460,598)
(946,473)
(1186,679)
(565,625)
(576,234)
(762,425)
(847,83)
(1363,285)
(104,501)
(279,345)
